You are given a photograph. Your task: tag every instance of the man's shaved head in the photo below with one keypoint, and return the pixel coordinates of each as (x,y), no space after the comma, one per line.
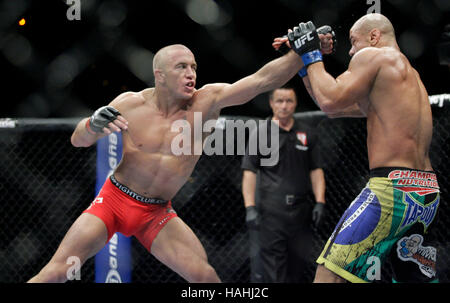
(374,21)
(161,57)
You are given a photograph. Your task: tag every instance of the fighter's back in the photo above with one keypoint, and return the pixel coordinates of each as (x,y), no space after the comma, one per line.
(399,119)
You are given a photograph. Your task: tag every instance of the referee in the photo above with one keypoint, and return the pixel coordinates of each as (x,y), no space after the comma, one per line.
(278,199)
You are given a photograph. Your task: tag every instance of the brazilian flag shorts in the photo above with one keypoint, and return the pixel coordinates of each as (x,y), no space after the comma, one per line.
(388,220)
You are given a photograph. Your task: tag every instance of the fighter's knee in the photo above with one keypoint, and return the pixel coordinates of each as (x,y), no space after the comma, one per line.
(205,274)
(324,275)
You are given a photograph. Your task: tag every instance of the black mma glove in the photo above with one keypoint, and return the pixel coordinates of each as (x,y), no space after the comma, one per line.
(251,217)
(283,49)
(323,30)
(101,118)
(318,213)
(326,29)
(305,42)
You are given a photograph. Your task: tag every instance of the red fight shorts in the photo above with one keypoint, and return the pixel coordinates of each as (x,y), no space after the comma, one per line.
(122,210)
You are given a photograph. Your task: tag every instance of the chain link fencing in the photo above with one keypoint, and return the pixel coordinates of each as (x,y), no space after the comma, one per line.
(45,184)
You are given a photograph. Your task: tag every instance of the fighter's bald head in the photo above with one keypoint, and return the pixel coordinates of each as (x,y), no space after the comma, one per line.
(164,54)
(368,22)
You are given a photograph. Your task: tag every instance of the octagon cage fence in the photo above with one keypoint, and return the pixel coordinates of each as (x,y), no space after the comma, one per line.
(45,184)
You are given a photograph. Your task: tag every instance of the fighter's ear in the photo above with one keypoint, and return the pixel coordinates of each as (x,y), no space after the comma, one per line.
(159,76)
(271,102)
(374,36)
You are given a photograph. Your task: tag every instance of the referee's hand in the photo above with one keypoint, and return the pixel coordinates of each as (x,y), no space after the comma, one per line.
(251,217)
(318,213)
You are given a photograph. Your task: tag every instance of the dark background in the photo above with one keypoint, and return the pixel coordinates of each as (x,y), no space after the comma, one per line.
(53,67)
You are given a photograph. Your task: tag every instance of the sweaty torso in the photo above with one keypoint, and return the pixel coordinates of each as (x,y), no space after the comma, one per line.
(151,163)
(399,121)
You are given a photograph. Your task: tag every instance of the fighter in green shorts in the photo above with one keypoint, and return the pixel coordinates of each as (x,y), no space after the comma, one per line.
(388,219)
(392,214)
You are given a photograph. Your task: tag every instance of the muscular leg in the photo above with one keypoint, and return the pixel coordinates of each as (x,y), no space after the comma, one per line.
(86,236)
(323,275)
(177,247)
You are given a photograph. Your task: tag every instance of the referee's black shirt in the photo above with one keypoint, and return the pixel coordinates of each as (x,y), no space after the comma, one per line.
(298,155)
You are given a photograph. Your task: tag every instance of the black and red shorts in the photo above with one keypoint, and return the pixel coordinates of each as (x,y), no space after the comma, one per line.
(129,213)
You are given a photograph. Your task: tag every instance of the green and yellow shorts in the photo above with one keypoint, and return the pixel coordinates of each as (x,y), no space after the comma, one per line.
(387,221)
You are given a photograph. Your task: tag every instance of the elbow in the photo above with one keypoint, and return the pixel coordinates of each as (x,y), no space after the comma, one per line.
(333,115)
(331,106)
(331,112)
(327,106)
(73,141)
(77,142)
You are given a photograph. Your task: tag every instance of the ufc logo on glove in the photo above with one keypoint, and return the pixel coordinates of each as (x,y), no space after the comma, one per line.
(299,42)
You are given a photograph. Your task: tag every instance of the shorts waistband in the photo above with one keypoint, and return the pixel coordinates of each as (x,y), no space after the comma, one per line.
(135,195)
(402,173)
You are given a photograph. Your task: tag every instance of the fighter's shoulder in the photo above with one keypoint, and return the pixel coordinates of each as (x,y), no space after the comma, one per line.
(380,54)
(212,88)
(376,57)
(127,100)
(210,92)
(367,55)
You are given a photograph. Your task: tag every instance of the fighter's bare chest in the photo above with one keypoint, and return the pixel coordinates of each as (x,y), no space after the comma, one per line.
(156,133)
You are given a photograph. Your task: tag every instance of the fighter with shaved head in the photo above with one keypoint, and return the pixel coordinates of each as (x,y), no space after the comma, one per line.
(136,198)
(401,197)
